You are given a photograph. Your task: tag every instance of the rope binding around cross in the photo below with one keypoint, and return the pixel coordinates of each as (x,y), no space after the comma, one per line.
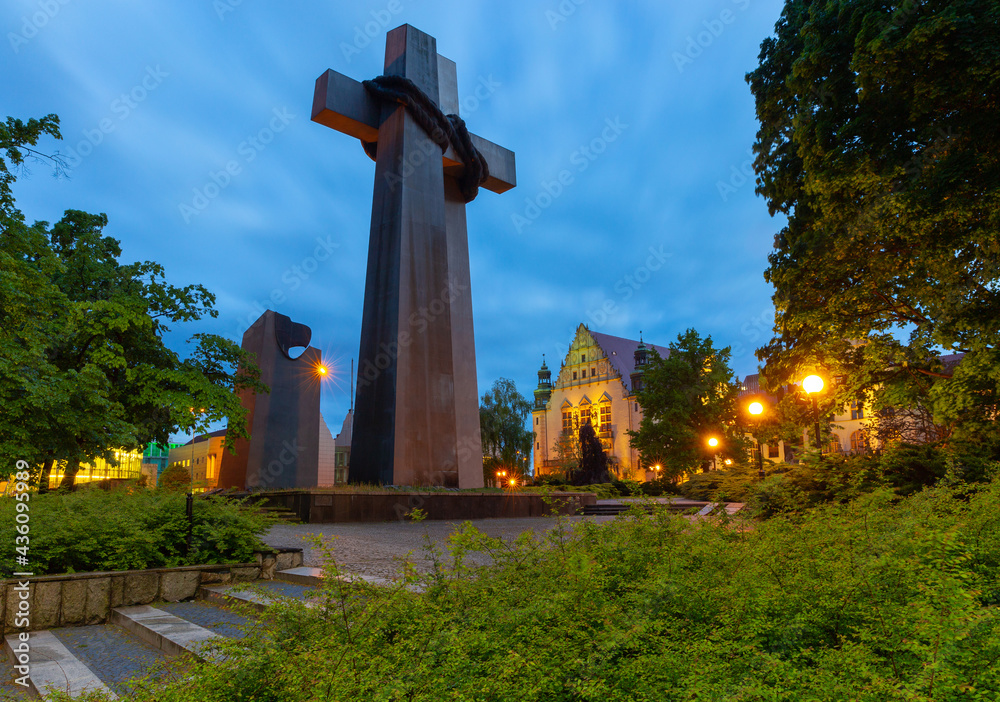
(444,130)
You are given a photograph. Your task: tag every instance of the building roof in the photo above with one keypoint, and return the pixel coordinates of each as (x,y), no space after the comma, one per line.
(621,353)
(205,437)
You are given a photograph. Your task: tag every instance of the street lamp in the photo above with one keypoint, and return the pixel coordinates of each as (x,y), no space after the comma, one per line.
(713,443)
(813,385)
(756,409)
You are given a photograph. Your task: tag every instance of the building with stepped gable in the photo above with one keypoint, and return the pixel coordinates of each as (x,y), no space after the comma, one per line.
(596,383)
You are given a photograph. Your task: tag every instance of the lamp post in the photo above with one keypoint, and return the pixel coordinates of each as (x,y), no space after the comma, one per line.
(756,409)
(813,385)
(713,442)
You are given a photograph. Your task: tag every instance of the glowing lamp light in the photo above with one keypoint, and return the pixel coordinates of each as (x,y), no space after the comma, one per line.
(812,383)
(713,442)
(729,461)
(756,408)
(322,370)
(656,468)
(513,482)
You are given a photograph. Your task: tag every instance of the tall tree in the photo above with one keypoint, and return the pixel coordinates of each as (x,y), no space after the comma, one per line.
(84,370)
(593,466)
(878,141)
(687,398)
(503,416)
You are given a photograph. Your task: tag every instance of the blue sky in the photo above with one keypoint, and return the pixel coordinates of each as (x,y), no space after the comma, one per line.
(657,229)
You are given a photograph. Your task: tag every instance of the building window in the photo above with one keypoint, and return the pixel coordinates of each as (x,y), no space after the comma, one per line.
(585,416)
(583,373)
(859,442)
(605,417)
(538,445)
(567,421)
(857,410)
(772,450)
(574,375)
(536,421)
(636,406)
(593,372)
(583,358)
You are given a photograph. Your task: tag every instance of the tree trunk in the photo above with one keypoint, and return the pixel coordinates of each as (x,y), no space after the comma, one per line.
(43,479)
(69,477)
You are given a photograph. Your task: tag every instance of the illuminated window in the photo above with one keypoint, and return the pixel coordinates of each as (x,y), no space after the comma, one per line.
(772,450)
(857,410)
(567,420)
(584,416)
(859,442)
(605,417)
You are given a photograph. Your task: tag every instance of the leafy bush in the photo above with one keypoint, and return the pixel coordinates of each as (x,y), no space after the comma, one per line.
(175,477)
(660,486)
(702,486)
(97,530)
(876,600)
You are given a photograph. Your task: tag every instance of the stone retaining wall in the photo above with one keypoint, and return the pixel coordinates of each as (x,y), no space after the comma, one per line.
(77,599)
(316,506)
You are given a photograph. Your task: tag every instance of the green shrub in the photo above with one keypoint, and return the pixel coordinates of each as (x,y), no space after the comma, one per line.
(660,486)
(702,486)
(97,530)
(175,477)
(879,599)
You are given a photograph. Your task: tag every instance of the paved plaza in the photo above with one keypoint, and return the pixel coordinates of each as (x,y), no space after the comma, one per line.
(379,548)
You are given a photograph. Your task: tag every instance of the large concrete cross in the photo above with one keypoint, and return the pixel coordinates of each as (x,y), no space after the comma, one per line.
(417,412)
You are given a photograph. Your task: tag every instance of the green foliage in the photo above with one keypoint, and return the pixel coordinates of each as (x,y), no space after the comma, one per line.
(84,370)
(98,530)
(687,398)
(175,477)
(878,142)
(871,601)
(503,415)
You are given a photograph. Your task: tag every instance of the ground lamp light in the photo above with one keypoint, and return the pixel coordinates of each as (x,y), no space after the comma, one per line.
(813,385)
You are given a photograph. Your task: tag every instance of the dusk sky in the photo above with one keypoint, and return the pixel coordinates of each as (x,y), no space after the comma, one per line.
(657,228)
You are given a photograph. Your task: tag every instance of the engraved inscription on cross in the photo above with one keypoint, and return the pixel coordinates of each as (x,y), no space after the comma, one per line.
(417,409)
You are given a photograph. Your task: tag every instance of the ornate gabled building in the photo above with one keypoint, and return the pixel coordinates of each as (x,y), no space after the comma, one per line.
(596,383)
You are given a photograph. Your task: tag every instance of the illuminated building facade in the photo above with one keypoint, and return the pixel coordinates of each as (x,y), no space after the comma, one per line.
(202,457)
(596,383)
(127,465)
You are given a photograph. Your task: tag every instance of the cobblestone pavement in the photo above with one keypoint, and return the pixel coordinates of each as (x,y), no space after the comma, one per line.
(379,549)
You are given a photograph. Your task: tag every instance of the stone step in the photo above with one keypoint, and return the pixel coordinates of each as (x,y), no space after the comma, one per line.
(53,668)
(258,596)
(311,576)
(284,514)
(171,634)
(221,620)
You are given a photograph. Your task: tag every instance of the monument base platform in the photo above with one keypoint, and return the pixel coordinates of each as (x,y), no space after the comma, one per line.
(319,506)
